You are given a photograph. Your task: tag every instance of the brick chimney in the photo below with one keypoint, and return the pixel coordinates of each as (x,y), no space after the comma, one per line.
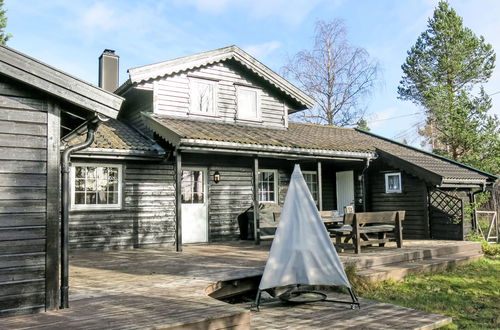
(108,70)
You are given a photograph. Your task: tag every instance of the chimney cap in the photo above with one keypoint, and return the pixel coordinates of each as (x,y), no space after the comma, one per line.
(109,52)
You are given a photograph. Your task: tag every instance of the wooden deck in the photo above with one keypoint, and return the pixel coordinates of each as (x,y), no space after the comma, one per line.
(159,288)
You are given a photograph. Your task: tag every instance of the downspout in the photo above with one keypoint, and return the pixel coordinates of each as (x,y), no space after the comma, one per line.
(65,198)
(473,200)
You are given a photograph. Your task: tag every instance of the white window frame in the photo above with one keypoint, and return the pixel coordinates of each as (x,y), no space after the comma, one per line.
(276,188)
(317,187)
(393,191)
(257,103)
(193,103)
(96,206)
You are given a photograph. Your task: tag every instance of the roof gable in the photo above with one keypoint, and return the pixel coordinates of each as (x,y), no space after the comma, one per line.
(154,71)
(34,73)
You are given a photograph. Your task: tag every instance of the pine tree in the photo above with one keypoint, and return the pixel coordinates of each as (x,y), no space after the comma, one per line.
(3,23)
(444,73)
(363,124)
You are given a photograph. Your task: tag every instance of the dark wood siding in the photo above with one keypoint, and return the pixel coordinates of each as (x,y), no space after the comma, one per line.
(23,199)
(413,199)
(147,217)
(228,200)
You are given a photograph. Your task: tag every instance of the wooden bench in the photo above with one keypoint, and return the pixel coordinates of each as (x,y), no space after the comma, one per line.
(328,218)
(357,226)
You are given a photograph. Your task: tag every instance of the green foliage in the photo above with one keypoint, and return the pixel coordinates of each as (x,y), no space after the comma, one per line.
(470,294)
(363,124)
(3,23)
(491,250)
(480,199)
(443,73)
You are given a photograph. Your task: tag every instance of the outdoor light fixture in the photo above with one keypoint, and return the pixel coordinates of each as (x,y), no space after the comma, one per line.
(216,177)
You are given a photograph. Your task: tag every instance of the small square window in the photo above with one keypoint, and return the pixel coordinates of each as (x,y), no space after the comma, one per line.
(393,183)
(202,96)
(248,101)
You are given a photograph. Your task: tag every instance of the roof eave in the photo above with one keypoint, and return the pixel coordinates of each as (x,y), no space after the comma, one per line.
(489,175)
(32,72)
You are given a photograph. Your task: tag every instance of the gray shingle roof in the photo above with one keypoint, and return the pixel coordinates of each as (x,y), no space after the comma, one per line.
(117,135)
(296,136)
(318,137)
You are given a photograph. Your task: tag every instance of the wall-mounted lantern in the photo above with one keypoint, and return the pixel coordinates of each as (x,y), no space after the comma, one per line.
(216,177)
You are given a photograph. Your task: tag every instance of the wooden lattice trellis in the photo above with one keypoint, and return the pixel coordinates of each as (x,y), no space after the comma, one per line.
(449,204)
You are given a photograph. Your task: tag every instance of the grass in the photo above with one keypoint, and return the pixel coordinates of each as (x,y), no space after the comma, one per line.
(470,294)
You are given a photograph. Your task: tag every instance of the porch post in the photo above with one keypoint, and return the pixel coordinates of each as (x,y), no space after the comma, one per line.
(178,202)
(256,224)
(320,187)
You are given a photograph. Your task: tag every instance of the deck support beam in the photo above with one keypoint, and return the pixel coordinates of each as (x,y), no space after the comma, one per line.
(256,224)
(320,187)
(178,202)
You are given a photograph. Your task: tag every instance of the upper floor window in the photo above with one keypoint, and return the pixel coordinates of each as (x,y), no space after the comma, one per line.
(311,179)
(202,96)
(96,186)
(393,183)
(268,185)
(248,100)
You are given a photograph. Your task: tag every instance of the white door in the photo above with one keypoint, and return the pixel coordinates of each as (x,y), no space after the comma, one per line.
(194,205)
(345,190)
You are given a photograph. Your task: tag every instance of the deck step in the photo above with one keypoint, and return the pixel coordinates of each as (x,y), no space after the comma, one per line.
(368,259)
(397,271)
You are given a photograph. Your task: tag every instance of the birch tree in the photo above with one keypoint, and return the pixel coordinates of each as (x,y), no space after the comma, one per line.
(338,75)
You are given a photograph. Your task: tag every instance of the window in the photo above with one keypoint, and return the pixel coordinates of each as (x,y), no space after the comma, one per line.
(248,100)
(311,179)
(268,184)
(202,96)
(393,183)
(192,186)
(96,186)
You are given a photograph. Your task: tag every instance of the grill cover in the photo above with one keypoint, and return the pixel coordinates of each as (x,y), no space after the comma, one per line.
(302,252)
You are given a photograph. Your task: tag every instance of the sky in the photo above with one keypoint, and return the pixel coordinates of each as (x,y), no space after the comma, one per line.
(70,35)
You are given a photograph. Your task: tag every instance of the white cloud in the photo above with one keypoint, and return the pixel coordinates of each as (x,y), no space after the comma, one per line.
(378,119)
(99,16)
(291,12)
(209,6)
(261,51)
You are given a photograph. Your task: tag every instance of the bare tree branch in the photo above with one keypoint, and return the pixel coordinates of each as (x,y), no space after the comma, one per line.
(336,74)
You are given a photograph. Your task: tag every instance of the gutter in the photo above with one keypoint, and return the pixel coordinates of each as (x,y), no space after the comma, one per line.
(252,149)
(65,197)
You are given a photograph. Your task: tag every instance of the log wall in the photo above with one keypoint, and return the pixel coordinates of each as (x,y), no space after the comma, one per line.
(23,199)
(413,199)
(171,95)
(147,216)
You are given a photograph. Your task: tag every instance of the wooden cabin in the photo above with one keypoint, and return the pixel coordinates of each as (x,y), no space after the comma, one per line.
(200,151)
(219,125)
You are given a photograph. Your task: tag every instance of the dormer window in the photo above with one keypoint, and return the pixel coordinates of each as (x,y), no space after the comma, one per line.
(248,103)
(202,96)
